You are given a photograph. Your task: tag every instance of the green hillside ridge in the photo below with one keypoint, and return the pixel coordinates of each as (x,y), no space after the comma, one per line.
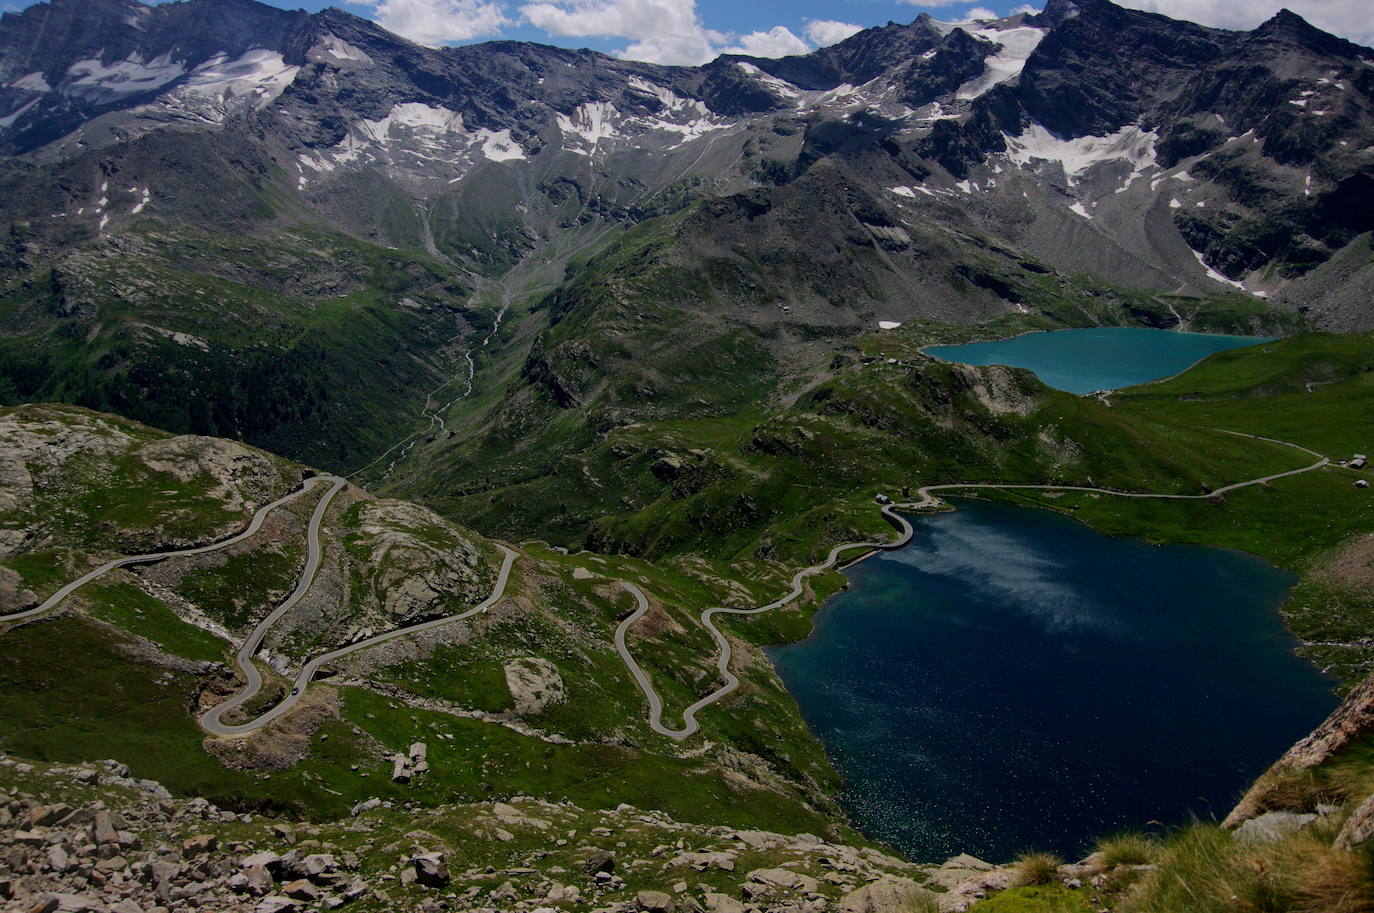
(593,744)
(662,339)
(226,336)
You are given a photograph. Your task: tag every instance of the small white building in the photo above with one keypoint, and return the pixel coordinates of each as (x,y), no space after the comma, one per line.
(1359,461)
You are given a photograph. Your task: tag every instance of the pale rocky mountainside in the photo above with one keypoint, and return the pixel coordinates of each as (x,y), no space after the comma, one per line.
(70,479)
(48,460)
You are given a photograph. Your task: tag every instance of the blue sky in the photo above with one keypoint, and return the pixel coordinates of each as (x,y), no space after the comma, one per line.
(666,31)
(693,31)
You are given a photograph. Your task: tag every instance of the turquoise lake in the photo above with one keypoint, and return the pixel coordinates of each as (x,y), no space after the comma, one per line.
(1015,680)
(1104,358)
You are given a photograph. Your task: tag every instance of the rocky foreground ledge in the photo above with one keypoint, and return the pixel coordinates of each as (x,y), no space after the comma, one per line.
(91,839)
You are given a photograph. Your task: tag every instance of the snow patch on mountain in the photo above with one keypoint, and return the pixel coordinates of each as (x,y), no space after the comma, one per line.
(223,87)
(944,28)
(32,82)
(334,48)
(418,141)
(1017,46)
(666,97)
(499,146)
(10,120)
(591,123)
(687,117)
(932,112)
(595,127)
(418,116)
(102,83)
(253,80)
(1129,144)
(1216,275)
(840,93)
(687,131)
(778,86)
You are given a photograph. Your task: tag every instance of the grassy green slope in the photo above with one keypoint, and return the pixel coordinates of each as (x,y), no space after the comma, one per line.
(101,483)
(304,341)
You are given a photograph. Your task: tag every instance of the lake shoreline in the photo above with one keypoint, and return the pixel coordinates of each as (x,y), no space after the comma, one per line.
(1152,355)
(885,654)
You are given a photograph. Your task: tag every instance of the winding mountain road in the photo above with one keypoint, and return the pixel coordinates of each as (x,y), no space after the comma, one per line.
(905,532)
(244,658)
(213,720)
(254,525)
(689,716)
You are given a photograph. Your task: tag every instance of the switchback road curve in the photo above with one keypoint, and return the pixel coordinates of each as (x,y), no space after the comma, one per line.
(254,525)
(212,720)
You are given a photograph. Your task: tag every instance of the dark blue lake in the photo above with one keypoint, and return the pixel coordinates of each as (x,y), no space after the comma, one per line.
(1015,680)
(1104,358)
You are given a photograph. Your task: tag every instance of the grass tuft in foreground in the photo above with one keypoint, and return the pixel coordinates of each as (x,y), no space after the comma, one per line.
(1037,869)
(1128,848)
(1204,869)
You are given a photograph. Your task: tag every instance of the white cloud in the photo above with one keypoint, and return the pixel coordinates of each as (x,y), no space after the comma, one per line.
(776,42)
(980,12)
(439,21)
(660,31)
(1347,18)
(825,32)
(1024,8)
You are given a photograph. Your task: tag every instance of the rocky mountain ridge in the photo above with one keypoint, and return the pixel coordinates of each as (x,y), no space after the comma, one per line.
(1091,98)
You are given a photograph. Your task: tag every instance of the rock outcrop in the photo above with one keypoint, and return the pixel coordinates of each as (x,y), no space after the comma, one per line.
(534,685)
(1353,719)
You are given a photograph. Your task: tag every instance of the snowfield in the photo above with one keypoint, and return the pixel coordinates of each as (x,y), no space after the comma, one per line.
(1076,156)
(1017,46)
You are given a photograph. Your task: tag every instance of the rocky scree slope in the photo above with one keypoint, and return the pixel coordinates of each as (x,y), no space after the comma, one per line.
(90,839)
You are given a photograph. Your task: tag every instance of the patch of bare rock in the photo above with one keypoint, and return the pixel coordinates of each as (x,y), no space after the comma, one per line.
(119,845)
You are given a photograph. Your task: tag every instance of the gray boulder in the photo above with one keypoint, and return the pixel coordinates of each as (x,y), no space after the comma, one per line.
(317,864)
(431,870)
(722,903)
(655,902)
(276,904)
(1358,828)
(1271,827)
(600,861)
(886,895)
